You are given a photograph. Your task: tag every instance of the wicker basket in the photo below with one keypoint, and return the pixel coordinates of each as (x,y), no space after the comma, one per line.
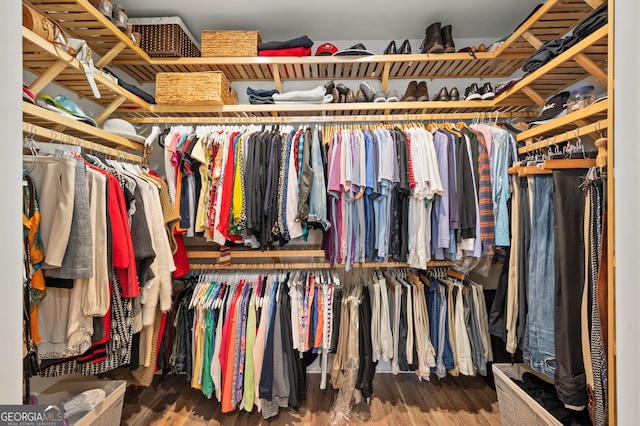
(165,37)
(230,43)
(195,88)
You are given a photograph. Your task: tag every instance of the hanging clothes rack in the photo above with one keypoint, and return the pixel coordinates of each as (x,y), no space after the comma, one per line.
(306,265)
(53,135)
(596,127)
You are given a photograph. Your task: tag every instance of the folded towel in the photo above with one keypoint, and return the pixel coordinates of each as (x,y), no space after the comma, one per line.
(261,92)
(325,100)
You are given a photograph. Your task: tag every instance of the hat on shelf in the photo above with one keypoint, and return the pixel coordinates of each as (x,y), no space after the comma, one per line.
(122,128)
(556,107)
(65,106)
(355,50)
(326,49)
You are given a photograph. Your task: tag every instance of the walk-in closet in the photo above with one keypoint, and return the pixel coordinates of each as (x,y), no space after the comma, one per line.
(278,213)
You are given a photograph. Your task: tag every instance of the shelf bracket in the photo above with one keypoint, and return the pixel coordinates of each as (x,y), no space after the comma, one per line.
(276,78)
(539,100)
(47,77)
(110,109)
(592,68)
(385,76)
(594,3)
(111,54)
(533,40)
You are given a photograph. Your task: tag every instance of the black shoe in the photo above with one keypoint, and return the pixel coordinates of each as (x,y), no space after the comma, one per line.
(342,89)
(486,92)
(405,48)
(471,93)
(328,87)
(454,95)
(391,48)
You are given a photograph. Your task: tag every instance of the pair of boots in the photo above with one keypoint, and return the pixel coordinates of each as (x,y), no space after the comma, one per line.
(416,92)
(438,39)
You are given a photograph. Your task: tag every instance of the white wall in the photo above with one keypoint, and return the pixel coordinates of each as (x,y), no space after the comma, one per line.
(11,229)
(627,192)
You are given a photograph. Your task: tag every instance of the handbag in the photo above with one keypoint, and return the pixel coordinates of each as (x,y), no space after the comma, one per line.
(42,25)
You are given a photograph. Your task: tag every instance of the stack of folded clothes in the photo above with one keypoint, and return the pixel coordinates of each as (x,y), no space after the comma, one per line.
(553,48)
(313,96)
(261,96)
(300,46)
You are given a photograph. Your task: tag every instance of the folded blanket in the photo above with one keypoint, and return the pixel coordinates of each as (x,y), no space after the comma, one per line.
(261,92)
(292,51)
(325,100)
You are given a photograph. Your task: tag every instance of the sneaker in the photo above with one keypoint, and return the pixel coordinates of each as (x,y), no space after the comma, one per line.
(379,97)
(486,92)
(368,91)
(392,96)
(471,93)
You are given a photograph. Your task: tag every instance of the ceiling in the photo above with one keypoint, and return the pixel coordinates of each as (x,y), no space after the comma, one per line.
(332,20)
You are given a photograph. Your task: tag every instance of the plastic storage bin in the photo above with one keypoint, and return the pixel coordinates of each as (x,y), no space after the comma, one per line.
(580,98)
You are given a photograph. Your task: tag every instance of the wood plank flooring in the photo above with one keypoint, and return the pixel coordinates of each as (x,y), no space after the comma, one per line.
(398,400)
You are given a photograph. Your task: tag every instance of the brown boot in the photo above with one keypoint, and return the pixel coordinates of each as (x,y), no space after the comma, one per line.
(411,94)
(432,42)
(447,40)
(422,92)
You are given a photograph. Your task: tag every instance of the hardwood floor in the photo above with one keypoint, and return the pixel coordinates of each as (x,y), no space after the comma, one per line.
(398,400)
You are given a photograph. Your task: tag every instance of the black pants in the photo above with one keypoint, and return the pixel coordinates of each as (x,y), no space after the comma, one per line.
(569,206)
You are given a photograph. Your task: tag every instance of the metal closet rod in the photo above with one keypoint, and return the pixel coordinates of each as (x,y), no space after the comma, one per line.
(329,119)
(304,265)
(52,135)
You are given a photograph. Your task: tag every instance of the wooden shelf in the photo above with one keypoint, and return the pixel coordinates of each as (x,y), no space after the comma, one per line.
(562,71)
(582,117)
(49,119)
(552,20)
(82,20)
(52,64)
(571,135)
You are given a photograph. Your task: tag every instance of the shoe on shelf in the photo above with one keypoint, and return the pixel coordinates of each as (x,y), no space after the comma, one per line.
(350,97)
(411,94)
(481,48)
(336,95)
(368,91)
(360,96)
(422,92)
(105,7)
(486,92)
(432,42)
(120,18)
(405,48)
(380,97)
(328,87)
(391,48)
(342,89)
(454,95)
(443,95)
(392,96)
(447,40)
(472,93)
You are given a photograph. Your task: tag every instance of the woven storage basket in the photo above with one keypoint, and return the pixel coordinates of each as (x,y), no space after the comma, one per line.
(195,88)
(230,43)
(165,37)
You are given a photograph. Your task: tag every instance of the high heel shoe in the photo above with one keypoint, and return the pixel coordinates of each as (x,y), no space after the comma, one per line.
(405,48)
(391,48)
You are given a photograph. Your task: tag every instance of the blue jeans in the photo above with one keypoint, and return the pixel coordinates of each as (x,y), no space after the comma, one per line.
(318,193)
(540,293)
